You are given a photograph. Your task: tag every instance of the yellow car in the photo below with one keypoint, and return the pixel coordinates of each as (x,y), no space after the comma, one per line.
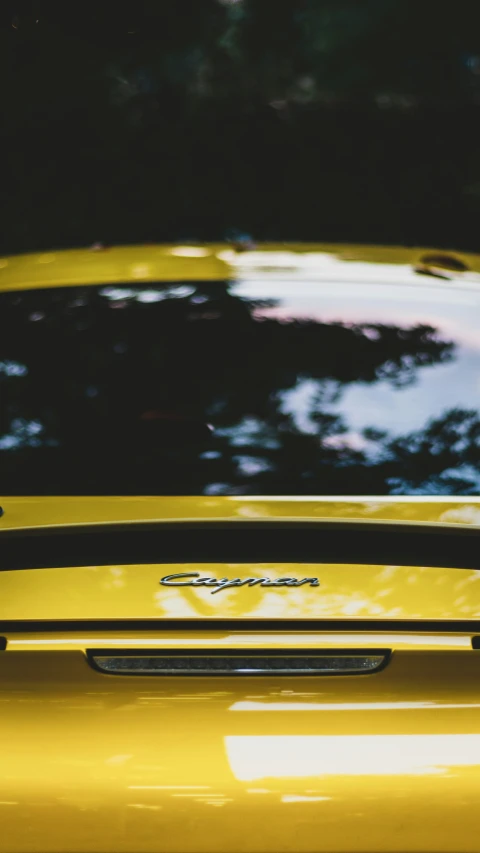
(239,550)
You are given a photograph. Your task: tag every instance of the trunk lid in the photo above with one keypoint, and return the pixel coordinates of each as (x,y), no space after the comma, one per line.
(387,760)
(206,559)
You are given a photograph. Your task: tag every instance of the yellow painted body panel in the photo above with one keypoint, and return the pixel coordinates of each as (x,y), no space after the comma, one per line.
(345,592)
(121,264)
(382,762)
(24,512)
(134,591)
(206,262)
(95,763)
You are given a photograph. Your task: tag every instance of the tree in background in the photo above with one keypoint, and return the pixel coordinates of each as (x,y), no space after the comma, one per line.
(288,119)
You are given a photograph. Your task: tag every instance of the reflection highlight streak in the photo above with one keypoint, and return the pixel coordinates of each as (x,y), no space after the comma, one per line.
(235,640)
(348,706)
(299,756)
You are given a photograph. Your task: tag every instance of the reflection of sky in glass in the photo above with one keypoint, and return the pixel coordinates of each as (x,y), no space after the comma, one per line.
(451,309)
(288,404)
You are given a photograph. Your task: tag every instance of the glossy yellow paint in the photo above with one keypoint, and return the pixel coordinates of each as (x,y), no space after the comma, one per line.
(345,592)
(65,639)
(382,762)
(28,511)
(207,262)
(134,591)
(120,264)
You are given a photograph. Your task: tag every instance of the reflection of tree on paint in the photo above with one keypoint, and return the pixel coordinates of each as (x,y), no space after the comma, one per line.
(186,389)
(380,592)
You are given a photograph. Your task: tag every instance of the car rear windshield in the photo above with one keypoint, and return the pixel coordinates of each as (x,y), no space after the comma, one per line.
(262,386)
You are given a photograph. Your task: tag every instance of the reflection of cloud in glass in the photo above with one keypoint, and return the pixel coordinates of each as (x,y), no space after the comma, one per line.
(23,433)
(300,756)
(248,431)
(449,308)
(351,300)
(13,368)
(448,386)
(149,294)
(249,466)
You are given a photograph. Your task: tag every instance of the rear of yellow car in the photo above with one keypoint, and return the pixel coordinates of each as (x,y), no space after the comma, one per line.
(213,666)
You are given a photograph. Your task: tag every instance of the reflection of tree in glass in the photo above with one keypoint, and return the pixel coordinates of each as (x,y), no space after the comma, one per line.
(117,377)
(442,458)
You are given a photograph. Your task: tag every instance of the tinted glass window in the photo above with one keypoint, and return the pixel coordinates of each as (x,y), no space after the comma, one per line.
(260,386)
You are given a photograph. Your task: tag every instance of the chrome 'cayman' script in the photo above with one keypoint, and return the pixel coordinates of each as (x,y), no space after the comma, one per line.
(195,579)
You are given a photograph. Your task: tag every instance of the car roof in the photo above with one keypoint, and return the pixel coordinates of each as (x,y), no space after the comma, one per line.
(223,261)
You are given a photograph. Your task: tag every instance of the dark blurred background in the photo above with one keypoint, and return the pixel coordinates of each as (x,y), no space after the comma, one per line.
(154,120)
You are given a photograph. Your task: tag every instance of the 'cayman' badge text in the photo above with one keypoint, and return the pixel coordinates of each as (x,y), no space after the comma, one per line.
(195,579)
